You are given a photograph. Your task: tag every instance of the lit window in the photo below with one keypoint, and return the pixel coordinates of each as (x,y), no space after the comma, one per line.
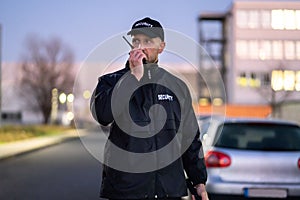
(297,83)
(298,50)
(265,19)
(203,102)
(277,49)
(265,51)
(217,102)
(241,48)
(253,20)
(254,82)
(277,19)
(277,80)
(241,18)
(290,19)
(289,50)
(297,19)
(253,49)
(289,80)
(242,80)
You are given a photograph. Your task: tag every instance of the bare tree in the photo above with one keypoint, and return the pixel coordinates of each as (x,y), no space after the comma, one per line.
(45,65)
(274,98)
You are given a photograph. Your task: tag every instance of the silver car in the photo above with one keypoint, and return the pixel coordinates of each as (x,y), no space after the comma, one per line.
(251,158)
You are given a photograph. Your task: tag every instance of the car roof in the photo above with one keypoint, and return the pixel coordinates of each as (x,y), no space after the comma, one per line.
(255,120)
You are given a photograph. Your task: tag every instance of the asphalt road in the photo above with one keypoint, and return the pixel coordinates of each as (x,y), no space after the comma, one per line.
(61,172)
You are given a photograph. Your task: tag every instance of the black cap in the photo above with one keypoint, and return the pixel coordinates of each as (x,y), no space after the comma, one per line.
(149,27)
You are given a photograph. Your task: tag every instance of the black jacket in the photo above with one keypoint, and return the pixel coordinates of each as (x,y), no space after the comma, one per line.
(131,178)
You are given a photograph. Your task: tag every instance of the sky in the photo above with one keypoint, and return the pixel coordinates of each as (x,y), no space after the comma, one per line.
(83,24)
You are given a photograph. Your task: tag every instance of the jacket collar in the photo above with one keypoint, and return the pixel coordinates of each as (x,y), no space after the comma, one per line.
(150,70)
(147,65)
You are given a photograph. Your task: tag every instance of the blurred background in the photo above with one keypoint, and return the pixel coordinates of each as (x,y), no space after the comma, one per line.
(248,66)
(62,34)
(254,44)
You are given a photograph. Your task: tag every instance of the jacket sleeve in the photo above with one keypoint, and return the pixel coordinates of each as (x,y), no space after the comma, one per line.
(100,103)
(193,158)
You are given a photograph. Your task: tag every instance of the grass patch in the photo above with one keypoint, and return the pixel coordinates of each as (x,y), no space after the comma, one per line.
(11,133)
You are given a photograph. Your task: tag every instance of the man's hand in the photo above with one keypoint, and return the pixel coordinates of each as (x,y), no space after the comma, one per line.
(201,191)
(136,63)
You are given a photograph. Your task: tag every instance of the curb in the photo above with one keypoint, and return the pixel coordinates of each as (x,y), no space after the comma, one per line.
(12,149)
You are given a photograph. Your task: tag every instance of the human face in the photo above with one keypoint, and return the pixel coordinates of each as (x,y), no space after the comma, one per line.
(151,47)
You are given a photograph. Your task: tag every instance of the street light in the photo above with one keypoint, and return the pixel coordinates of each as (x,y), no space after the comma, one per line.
(70,98)
(62,98)
(86,94)
(67,114)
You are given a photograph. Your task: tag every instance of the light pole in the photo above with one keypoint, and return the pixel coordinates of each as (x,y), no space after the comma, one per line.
(54,105)
(66,100)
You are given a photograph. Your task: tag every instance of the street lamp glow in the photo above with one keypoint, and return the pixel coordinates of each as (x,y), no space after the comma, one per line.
(62,98)
(86,94)
(70,116)
(70,98)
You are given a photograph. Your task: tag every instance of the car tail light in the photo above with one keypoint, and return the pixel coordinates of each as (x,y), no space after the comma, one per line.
(299,163)
(217,159)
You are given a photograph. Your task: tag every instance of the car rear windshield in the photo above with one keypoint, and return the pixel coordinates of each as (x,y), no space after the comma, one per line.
(259,136)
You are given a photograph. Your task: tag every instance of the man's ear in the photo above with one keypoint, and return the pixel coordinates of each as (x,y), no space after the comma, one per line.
(161,47)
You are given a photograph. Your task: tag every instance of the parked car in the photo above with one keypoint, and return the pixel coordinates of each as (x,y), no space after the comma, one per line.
(251,158)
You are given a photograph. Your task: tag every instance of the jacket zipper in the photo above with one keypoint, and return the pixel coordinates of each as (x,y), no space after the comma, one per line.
(149,74)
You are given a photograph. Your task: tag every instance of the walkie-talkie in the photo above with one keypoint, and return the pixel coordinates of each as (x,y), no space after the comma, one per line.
(132,47)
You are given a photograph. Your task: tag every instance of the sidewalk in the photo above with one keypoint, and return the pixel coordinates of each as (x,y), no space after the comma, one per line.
(23,146)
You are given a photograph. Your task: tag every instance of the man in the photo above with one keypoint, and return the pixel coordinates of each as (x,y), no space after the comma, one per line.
(151,114)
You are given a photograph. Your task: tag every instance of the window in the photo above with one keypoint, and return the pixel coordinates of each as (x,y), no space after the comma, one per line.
(248,80)
(289,50)
(266,80)
(277,49)
(297,84)
(297,13)
(241,18)
(298,50)
(241,48)
(277,80)
(254,81)
(285,19)
(258,136)
(265,51)
(290,19)
(242,80)
(253,49)
(265,19)
(253,21)
(289,80)
(268,49)
(285,80)
(277,19)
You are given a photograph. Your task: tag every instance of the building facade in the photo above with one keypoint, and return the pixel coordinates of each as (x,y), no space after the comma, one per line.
(263,51)
(259,51)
